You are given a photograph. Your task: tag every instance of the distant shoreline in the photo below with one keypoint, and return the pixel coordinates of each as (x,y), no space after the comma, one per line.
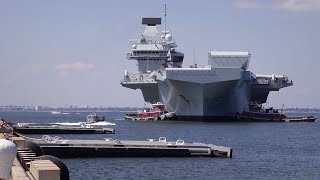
(116,109)
(72,111)
(66,110)
(301,111)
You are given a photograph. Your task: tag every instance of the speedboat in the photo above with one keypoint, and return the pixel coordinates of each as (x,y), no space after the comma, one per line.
(93,118)
(56,112)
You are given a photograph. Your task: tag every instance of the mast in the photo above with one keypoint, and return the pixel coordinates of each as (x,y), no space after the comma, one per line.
(194,56)
(165,19)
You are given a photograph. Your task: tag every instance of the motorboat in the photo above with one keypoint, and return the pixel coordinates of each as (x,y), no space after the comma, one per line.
(93,118)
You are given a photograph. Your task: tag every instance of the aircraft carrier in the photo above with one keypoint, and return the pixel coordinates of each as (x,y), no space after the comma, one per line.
(217,92)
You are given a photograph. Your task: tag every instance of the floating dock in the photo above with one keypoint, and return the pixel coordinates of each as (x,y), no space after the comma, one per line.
(119,148)
(57,129)
(64,148)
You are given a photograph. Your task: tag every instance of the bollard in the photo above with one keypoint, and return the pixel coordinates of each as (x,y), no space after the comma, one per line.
(8,152)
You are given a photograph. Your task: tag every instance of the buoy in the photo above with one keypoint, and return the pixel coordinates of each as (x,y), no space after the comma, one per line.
(8,152)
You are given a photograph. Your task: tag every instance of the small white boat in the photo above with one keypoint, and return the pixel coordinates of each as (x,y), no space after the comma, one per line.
(56,112)
(93,118)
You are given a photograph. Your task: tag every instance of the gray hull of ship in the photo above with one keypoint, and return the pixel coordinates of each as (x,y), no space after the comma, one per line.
(218,101)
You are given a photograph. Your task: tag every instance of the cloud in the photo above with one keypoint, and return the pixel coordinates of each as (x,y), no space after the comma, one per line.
(281,5)
(297,5)
(65,69)
(247,4)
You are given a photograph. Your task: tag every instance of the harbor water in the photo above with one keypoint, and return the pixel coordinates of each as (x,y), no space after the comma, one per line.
(260,150)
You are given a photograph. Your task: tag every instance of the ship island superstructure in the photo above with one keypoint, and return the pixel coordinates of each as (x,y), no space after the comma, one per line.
(217,92)
(154,52)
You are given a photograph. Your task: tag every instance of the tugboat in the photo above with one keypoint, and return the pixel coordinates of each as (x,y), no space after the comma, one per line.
(261,115)
(155,112)
(258,114)
(93,118)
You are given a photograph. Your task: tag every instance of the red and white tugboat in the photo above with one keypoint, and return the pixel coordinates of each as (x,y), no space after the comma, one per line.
(155,112)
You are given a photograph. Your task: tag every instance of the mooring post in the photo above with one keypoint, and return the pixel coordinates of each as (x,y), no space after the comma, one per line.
(8,152)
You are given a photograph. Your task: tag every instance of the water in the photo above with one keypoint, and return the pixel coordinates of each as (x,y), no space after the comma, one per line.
(260,150)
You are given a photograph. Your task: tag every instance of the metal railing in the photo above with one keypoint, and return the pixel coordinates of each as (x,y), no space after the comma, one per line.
(138,78)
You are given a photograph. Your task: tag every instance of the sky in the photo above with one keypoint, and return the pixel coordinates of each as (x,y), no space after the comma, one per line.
(54,53)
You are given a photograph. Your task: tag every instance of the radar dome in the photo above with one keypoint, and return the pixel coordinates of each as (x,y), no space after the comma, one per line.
(134,46)
(168,37)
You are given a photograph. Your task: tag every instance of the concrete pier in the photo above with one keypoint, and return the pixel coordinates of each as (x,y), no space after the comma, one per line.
(125,148)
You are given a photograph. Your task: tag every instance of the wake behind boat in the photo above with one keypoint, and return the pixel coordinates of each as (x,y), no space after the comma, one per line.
(92,120)
(103,123)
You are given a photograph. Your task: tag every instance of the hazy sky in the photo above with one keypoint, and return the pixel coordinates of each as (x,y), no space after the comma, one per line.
(74,52)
